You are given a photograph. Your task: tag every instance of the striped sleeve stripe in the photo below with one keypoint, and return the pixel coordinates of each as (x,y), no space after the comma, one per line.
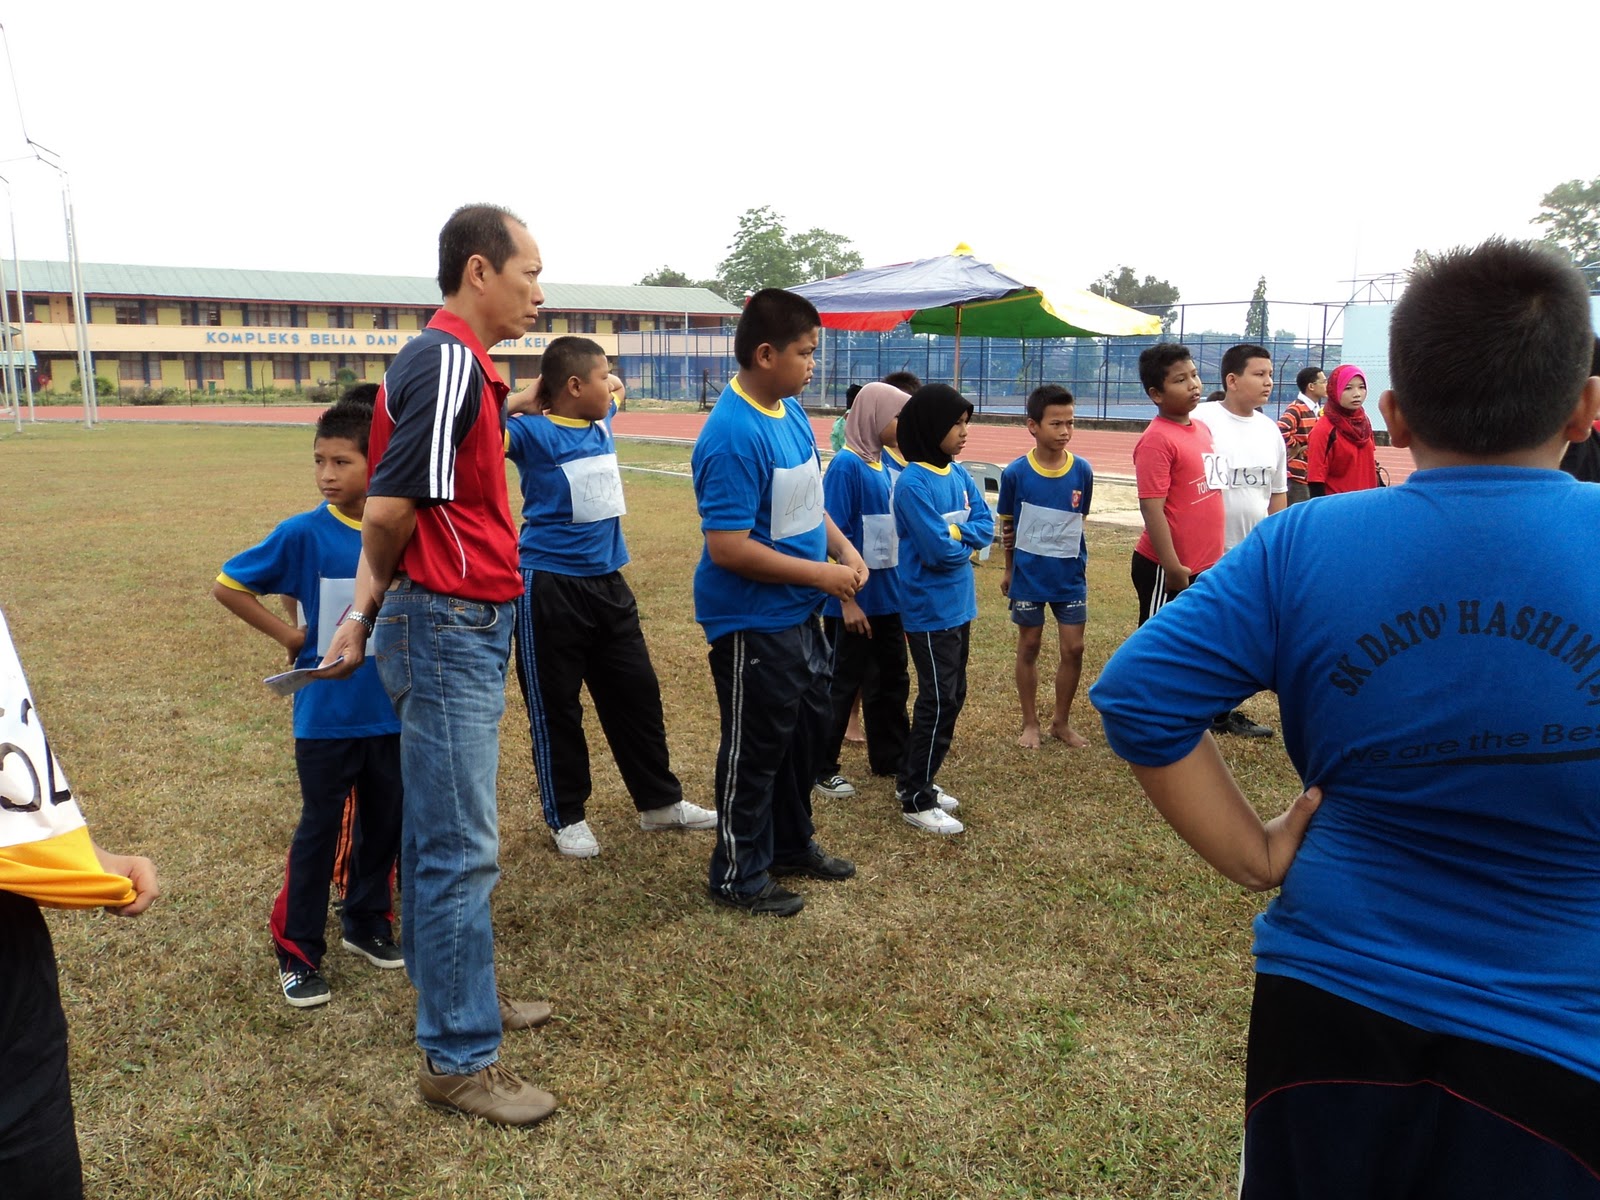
(454,378)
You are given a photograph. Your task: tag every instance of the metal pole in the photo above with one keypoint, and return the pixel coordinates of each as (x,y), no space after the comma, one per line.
(22,320)
(686,354)
(81,323)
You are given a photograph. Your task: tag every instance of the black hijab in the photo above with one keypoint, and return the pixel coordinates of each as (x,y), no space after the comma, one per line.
(928,416)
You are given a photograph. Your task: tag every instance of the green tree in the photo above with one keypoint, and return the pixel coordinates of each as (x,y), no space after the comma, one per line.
(1149,294)
(764,254)
(1255,322)
(672,277)
(1570,214)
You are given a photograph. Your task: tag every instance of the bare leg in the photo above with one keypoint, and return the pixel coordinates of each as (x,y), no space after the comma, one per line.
(1029,638)
(852,730)
(1068,673)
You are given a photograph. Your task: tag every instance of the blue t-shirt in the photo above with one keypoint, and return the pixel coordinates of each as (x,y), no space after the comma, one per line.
(312,557)
(856,494)
(757,469)
(1047,509)
(1435,648)
(571,494)
(937,589)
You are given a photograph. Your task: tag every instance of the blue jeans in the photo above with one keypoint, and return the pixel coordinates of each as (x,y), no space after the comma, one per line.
(443,660)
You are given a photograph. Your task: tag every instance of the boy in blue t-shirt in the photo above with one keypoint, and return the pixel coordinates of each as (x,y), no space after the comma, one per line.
(577,620)
(1426,1019)
(1044,498)
(761,578)
(346,733)
(941,517)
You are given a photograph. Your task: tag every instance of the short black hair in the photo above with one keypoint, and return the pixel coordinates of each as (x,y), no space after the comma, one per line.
(772,317)
(361,393)
(1307,377)
(474,229)
(1043,396)
(1217,395)
(1235,357)
(1489,347)
(906,381)
(349,418)
(1157,360)
(565,357)
(850,394)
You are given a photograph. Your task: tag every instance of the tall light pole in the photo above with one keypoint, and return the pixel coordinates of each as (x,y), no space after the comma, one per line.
(22,315)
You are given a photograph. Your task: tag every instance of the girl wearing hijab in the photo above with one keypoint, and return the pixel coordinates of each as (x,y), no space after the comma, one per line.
(941,517)
(865,632)
(1341,455)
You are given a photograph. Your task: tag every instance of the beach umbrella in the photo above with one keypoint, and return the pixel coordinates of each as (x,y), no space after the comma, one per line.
(959,293)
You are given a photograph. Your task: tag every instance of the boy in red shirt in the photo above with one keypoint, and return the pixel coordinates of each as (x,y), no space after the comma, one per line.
(1179,480)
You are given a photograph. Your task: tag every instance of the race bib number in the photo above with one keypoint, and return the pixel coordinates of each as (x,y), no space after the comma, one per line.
(335,599)
(959,517)
(880,547)
(595,485)
(796,500)
(1216,472)
(1049,532)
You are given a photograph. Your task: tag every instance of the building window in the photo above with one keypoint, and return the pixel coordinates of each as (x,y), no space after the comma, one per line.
(283,369)
(211,367)
(130,314)
(211,314)
(130,368)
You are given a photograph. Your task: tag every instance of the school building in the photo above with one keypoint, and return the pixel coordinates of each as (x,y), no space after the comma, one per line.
(204,330)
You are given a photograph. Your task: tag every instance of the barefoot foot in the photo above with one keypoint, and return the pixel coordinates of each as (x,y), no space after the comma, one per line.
(1069,735)
(1028,739)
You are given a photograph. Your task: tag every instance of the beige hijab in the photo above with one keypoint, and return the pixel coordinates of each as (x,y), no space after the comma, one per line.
(875,406)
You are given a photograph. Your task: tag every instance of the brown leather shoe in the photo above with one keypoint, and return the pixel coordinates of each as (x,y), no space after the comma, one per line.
(494,1093)
(522,1014)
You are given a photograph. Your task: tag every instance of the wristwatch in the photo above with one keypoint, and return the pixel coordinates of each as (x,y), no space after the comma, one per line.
(361,619)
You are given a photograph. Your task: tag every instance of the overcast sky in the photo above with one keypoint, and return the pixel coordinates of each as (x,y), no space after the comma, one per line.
(1206,143)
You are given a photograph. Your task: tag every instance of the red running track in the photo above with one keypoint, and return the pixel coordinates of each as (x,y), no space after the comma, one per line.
(1110,451)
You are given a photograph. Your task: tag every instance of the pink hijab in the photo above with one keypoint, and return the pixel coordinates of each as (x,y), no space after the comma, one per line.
(1355,426)
(875,406)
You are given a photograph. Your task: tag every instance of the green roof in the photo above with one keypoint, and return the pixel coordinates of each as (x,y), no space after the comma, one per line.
(311,287)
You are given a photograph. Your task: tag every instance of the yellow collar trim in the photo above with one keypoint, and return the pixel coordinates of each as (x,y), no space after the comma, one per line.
(752,402)
(334,512)
(1057,473)
(568,422)
(944,470)
(875,464)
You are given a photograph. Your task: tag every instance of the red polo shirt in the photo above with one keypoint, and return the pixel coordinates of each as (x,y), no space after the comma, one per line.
(438,437)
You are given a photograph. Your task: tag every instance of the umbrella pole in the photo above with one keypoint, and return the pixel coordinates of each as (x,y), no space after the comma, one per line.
(957,380)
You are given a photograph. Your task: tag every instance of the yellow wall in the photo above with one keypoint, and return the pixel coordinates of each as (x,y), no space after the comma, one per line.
(172,372)
(102,314)
(60,310)
(602,326)
(318,369)
(233,374)
(558,324)
(316,319)
(408,320)
(232,316)
(168,314)
(363,320)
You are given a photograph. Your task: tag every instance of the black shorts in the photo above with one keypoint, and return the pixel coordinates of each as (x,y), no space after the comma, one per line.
(1342,1102)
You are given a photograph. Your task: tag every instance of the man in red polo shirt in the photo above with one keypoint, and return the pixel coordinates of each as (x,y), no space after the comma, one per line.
(434,592)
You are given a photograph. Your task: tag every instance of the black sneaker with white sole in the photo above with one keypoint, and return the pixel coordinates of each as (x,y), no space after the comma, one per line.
(772,900)
(381,952)
(303,987)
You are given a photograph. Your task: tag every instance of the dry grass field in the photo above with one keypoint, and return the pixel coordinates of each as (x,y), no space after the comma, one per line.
(1052,1004)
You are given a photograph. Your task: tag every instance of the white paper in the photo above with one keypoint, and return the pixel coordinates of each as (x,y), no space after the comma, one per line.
(796,500)
(595,484)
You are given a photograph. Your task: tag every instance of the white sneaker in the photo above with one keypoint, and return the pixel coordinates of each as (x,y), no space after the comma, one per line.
(835,787)
(681,815)
(576,841)
(945,800)
(934,820)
